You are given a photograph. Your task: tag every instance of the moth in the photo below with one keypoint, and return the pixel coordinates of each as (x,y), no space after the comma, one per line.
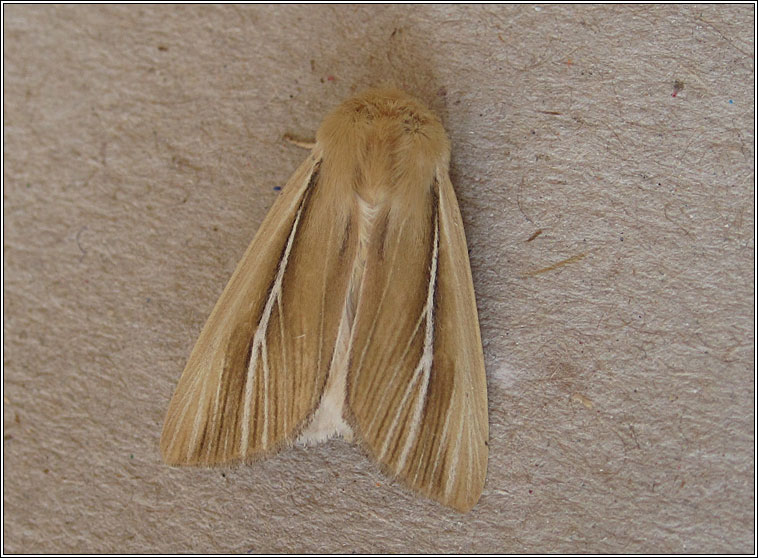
(352,313)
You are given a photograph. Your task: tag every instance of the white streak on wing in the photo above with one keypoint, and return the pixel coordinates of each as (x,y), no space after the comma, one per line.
(258,341)
(423,368)
(406,395)
(264,360)
(452,470)
(327,420)
(380,404)
(215,416)
(199,419)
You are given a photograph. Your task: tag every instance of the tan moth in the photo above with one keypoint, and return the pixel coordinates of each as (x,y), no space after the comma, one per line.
(351,313)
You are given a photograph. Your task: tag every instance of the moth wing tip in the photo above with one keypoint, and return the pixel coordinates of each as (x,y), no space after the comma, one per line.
(462,503)
(169,457)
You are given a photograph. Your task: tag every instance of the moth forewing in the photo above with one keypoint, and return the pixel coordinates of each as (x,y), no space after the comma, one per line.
(205,423)
(352,312)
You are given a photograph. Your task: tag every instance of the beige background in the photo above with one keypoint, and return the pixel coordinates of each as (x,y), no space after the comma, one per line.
(142,146)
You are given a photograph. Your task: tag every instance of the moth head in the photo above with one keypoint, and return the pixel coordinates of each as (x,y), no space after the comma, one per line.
(385,133)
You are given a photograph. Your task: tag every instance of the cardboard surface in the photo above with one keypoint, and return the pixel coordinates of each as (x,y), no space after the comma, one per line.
(142,146)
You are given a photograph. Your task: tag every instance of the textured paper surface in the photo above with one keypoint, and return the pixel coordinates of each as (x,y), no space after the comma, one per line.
(142,147)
